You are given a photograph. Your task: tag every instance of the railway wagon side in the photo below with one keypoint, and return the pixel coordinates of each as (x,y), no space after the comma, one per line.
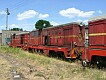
(96,52)
(64,40)
(19,40)
(15,41)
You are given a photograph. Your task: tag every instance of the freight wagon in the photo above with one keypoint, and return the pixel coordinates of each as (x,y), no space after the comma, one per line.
(96,52)
(19,40)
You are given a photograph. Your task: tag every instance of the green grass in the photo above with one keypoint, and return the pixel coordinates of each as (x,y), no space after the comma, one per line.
(6,49)
(17,52)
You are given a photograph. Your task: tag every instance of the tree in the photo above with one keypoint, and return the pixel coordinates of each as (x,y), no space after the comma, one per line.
(40,24)
(16,29)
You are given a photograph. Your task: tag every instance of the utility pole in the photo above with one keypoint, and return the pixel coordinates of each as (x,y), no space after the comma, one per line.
(7,13)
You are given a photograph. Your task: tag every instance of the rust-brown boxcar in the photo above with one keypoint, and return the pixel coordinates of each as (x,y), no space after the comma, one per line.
(96,52)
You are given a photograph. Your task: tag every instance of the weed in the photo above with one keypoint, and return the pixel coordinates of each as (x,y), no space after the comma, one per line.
(39,74)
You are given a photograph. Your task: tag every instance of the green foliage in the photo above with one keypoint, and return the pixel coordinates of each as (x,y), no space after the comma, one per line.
(40,24)
(16,29)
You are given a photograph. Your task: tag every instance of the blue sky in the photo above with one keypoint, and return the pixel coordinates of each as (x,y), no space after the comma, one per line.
(25,13)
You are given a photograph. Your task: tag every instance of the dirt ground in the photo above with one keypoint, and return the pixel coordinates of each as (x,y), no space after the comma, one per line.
(29,69)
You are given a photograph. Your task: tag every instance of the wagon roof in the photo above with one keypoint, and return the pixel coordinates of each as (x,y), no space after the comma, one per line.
(67,24)
(102,17)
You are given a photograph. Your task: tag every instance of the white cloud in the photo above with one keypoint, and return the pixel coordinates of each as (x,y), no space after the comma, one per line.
(27,26)
(2,27)
(73,12)
(2,12)
(13,26)
(42,16)
(30,14)
(27,14)
(54,23)
(100,12)
(85,21)
(79,20)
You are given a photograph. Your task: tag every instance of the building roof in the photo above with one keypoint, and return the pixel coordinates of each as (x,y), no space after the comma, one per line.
(22,33)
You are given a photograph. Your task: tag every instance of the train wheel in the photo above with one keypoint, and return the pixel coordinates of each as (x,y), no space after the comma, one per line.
(84,63)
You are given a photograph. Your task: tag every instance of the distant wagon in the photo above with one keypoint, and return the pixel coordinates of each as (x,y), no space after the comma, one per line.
(19,39)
